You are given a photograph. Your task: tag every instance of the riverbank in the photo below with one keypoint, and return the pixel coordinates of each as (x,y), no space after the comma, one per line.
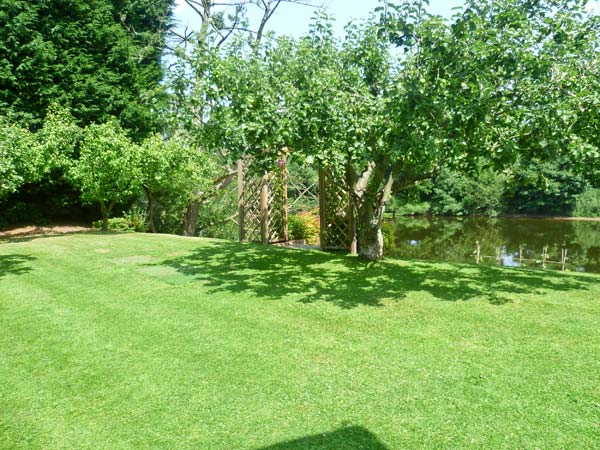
(505,216)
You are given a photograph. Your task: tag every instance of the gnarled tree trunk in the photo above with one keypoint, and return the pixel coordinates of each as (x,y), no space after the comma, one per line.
(370,236)
(370,193)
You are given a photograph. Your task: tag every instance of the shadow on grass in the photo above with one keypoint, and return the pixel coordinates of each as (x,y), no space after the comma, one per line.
(309,276)
(14,264)
(355,438)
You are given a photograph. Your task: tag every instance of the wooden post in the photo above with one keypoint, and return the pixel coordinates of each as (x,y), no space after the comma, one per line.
(284,200)
(264,208)
(564,260)
(544,257)
(498,250)
(352,228)
(521,255)
(322,217)
(478,258)
(353,239)
(241,213)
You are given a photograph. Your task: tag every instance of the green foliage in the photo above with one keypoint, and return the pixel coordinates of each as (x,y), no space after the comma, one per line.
(27,157)
(132,220)
(101,59)
(215,216)
(489,84)
(458,194)
(157,163)
(173,172)
(413,208)
(20,160)
(304,225)
(587,204)
(59,139)
(543,187)
(389,238)
(107,171)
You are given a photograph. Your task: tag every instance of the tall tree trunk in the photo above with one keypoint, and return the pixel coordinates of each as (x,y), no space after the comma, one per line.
(190,218)
(150,199)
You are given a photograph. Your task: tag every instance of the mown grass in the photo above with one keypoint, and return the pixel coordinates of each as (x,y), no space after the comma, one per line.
(141,341)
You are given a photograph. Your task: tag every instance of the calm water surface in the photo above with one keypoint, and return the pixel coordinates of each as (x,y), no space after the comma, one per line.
(454,239)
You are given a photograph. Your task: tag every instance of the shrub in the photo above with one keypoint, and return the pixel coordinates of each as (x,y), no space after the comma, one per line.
(413,209)
(132,220)
(389,238)
(587,204)
(304,225)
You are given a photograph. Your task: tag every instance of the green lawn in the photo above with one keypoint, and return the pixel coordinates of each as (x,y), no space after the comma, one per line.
(137,341)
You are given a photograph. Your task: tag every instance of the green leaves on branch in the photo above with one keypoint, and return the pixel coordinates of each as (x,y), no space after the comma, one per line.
(19,158)
(175,168)
(26,157)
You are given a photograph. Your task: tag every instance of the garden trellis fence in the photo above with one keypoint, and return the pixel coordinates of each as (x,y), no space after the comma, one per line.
(264,205)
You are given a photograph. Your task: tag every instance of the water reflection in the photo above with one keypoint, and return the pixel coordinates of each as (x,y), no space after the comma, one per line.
(510,242)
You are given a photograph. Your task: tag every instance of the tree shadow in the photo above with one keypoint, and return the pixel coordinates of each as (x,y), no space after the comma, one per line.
(309,276)
(15,264)
(351,438)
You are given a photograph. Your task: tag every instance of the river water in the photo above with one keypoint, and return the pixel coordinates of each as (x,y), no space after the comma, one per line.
(502,241)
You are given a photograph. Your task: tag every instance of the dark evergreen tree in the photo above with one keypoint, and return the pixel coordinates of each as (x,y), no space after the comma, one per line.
(100,58)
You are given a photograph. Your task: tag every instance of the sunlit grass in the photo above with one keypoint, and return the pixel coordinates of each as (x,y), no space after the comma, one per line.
(140,341)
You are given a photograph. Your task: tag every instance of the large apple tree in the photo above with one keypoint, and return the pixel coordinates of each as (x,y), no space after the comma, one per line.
(407,93)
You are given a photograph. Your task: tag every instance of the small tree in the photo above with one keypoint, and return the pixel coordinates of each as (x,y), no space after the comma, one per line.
(107,169)
(156,161)
(173,168)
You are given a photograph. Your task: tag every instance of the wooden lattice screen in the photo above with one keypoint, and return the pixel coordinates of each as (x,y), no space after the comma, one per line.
(303,193)
(338,229)
(263,205)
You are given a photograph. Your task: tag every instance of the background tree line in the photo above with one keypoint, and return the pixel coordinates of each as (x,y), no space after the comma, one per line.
(476,114)
(532,188)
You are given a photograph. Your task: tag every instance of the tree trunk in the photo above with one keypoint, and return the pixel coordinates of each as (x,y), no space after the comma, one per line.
(105,210)
(370,236)
(370,193)
(150,198)
(190,218)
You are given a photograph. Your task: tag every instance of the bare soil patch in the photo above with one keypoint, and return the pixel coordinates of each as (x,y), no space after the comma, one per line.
(33,230)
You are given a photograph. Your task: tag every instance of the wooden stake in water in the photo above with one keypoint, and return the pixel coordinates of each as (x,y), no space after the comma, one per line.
(544,257)
(478,252)
(521,255)
(564,259)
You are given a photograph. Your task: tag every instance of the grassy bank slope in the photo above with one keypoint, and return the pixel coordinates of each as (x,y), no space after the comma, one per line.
(140,341)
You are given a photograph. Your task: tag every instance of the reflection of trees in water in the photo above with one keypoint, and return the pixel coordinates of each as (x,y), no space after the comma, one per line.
(454,239)
(445,239)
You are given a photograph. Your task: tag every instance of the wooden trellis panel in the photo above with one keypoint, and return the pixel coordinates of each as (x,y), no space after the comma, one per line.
(263,205)
(301,193)
(338,231)
(277,205)
(263,208)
